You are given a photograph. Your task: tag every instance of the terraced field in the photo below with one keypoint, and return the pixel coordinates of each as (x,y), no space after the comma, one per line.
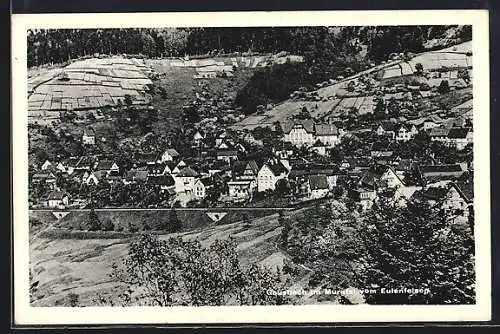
(87,84)
(334,100)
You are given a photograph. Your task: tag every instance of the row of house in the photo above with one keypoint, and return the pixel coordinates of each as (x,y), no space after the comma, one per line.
(447,133)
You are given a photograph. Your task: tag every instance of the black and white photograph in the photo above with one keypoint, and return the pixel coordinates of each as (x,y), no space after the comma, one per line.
(262,165)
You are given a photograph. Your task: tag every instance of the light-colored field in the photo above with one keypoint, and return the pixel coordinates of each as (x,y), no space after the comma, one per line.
(88,83)
(332,102)
(83,266)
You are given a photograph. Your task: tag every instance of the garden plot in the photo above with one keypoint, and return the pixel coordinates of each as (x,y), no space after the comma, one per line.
(406,69)
(90,84)
(460,48)
(394,71)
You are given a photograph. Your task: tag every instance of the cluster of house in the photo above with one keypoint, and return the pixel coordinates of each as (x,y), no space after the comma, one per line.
(225,165)
(453,132)
(440,184)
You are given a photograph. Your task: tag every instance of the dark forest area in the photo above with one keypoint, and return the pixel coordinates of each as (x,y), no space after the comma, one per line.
(61,45)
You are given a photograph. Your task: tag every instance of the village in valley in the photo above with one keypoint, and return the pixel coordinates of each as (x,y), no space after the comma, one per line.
(122,144)
(396,143)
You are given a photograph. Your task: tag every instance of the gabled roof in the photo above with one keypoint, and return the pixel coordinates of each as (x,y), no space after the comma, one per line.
(105,165)
(439,132)
(466,190)
(162,180)
(434,193)
(207,181)
(88,131)
(240,166)
(71,161)
(187,172)
(326,130)
(172,152)
(318,182)
(199,133)
(276,167)
(307,124)
(252,164)
(441,168)
(136,174)
(85,162)
(56,195)
(458,133)
(372,177)
(386,126)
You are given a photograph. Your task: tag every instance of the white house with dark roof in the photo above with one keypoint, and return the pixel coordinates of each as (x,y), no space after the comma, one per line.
(201,186)
(299,133)
(306,133)
(439,134)
(318,186)
(91,179)
(327,134)
(170,154)
(458,201)
(386,129)
(185,179)
(198,136)
(250,139)
(270,172)
(88,137)
(380,177)
(406,132)
(57,199)
(460,137)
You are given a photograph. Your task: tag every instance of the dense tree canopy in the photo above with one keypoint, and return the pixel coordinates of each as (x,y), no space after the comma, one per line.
(60,45)
(179,272)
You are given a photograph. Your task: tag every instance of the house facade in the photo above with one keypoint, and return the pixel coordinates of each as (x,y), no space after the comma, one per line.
(318,186)
(269,174)
(201,186)
(57,199)
(241,189)
(406,133)
(169,155)
(306,133)
(88,137)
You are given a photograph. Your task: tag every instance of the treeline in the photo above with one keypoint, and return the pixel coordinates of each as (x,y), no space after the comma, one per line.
(414,245)
(60,45)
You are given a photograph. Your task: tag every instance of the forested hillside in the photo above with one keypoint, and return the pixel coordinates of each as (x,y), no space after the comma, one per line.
(328,52)
(56,46)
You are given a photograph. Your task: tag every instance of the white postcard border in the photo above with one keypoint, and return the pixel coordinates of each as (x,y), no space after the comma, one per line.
(26,315)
